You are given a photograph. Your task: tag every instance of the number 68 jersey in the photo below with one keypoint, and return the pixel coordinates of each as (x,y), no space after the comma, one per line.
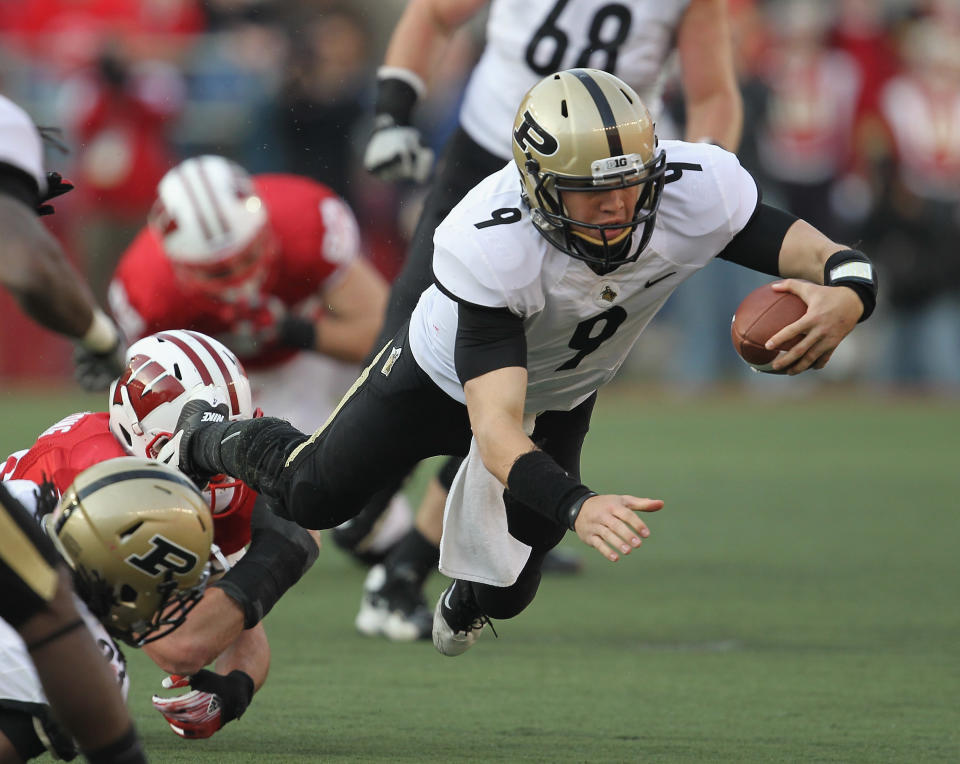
(529,39)
(579,326)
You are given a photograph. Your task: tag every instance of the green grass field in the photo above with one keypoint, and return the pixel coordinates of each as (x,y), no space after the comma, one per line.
(798,601)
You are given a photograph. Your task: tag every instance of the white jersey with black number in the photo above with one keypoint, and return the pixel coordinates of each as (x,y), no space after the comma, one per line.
(579,326)
(529,39)
(20,143)
(18,678)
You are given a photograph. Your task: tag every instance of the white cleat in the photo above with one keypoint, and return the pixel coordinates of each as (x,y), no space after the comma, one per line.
(392,608)
(447,638)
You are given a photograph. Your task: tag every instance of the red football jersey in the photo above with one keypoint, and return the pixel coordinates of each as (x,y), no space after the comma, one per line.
(82,440)
(316,235)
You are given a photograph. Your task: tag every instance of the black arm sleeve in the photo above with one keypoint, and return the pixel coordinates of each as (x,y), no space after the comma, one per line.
(757,246)
(488,339)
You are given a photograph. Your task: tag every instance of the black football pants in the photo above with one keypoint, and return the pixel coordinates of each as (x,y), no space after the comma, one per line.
(394,417)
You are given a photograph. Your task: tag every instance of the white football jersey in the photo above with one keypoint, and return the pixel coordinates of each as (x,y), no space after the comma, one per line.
(20,143)
(579,326)
(529,39)
(18,677)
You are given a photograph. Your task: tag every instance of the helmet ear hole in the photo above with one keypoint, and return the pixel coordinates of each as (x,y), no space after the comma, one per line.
(128,593)
(126,436)
(176,372)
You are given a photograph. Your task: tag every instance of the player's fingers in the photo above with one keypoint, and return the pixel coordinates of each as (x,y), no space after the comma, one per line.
(174,681)
(789,359)
(798,328)
(813,350)
(801,288)
(627,526)
(601,546)
(642,505)
(823,360)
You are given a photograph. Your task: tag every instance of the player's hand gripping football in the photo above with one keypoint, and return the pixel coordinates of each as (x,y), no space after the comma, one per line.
(831,315)
(610,525)
(214,700)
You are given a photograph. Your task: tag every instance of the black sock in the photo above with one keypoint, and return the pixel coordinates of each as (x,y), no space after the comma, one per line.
(413,553)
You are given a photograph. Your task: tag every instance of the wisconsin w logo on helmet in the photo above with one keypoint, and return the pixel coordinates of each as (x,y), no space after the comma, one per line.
(585,130)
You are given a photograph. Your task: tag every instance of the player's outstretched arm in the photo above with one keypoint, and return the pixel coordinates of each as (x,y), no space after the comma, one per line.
(610,525)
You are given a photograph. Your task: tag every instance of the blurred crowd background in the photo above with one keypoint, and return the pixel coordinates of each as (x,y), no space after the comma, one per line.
(852,121)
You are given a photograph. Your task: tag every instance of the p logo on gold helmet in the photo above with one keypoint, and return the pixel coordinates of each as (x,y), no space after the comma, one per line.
(137,535)
(586,130)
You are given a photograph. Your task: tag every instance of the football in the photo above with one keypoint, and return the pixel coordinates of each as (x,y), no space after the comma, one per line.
(762,314)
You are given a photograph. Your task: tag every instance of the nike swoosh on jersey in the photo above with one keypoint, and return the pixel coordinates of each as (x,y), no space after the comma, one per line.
(657,280)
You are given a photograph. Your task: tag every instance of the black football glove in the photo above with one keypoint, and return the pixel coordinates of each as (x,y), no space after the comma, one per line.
(57,185)
(214,700)
(196,414)
(96,371)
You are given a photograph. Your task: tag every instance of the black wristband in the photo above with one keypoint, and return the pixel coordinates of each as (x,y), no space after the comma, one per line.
(298,332)
(395,98)
(851,268)
(537,481)
(235,691)
(574,512)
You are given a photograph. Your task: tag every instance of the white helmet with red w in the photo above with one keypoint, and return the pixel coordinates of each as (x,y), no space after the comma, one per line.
(211,223)
(164,370)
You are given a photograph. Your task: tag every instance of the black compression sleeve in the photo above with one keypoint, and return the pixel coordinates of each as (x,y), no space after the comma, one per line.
(757,246)
(488,339)
(536,480)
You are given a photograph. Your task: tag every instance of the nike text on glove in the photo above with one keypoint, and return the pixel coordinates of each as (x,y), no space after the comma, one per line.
(196,414)
(213,701)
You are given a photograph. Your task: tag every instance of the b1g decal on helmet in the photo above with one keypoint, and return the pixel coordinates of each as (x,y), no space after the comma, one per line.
(531,135)
(591,133)
(164,556)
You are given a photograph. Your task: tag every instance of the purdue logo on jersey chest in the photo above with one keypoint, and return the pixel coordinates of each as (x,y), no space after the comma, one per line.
(608,293)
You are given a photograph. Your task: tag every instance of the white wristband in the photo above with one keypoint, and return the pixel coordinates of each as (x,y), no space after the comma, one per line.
(102,335)
(403,74)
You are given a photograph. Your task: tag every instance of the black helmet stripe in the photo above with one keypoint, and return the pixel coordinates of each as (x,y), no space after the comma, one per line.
(606,111)
(132,474)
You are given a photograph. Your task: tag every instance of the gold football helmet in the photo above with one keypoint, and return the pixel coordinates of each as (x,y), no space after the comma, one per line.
(587,130)
(137,535)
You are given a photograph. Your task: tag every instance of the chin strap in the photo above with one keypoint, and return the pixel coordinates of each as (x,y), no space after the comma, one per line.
(593,241)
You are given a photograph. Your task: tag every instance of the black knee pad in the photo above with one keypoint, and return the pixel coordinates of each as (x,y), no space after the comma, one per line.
(506,602)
